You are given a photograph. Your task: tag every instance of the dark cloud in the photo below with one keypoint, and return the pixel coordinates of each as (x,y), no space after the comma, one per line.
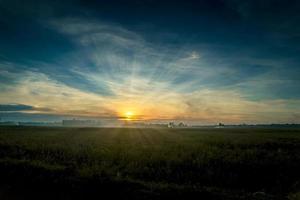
(20,108)
(15,107)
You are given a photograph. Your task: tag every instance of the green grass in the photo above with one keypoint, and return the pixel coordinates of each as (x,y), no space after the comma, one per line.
(149,163)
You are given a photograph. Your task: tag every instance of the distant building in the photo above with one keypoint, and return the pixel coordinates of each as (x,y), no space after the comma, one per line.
(182,125)
(171,125)
(220,125)
(130,124)
(39,123)
(80,123)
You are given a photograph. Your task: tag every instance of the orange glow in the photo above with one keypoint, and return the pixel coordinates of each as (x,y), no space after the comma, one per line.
(129,115)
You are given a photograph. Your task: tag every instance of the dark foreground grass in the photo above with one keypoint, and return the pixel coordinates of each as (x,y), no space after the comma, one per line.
(82,163)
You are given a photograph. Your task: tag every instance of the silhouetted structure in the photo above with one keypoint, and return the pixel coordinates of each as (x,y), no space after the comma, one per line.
(80,123)
(171,125)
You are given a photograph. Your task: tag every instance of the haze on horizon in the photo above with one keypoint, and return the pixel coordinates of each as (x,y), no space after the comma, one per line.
(197,61)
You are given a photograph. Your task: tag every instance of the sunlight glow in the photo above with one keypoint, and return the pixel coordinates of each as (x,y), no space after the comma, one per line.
(129,115)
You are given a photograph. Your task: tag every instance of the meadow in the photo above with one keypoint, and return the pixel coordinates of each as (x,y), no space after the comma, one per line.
(136,163)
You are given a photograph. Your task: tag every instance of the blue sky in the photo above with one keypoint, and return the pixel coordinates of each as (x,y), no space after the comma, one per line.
(195,61)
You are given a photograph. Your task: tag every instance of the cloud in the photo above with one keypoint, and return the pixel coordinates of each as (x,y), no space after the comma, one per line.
(96,32)
(114,54)
(42,92)
(21,108)
(15,107)
(232,107)
(113,69)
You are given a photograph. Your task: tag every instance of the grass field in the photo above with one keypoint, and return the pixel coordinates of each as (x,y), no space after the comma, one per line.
(81,163)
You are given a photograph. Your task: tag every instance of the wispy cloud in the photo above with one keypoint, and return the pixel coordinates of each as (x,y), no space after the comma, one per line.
(113,69)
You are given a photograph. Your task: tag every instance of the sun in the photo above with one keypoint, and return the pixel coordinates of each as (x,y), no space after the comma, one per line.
(129,115)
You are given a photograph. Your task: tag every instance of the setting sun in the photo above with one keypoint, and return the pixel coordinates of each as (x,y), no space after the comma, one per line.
(129,115)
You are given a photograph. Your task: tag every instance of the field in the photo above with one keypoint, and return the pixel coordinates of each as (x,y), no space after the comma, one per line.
(128,163)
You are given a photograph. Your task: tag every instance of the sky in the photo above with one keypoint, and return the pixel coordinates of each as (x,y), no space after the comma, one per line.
(200,62)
